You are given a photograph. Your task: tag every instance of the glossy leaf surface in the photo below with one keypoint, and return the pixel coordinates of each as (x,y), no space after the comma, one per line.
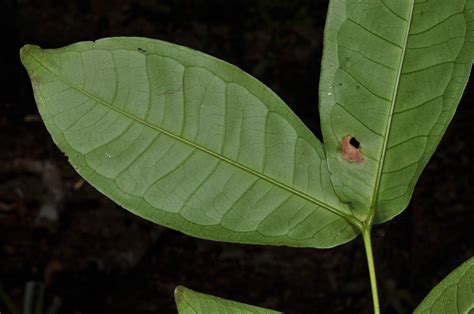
(392,75)
(191,302)
(187,141)
(453,295)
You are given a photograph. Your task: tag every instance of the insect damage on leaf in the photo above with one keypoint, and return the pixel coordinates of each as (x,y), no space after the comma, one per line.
(350,149)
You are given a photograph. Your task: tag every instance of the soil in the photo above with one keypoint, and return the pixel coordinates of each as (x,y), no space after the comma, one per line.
(98,258)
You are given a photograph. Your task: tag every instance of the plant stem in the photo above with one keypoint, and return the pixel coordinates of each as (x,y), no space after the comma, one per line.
(370,261)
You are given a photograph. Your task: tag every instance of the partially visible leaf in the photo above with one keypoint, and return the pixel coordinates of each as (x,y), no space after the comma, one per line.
(453,295)
(191,302)
(393,73)
(188,141)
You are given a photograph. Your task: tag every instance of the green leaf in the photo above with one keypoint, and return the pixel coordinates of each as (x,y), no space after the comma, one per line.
(188,141)
(392,75)
(191,302)
(454,294)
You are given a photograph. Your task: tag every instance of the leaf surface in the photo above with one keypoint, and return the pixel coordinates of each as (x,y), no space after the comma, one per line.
(191,302)
(187,141)
(392,75)
(454,294)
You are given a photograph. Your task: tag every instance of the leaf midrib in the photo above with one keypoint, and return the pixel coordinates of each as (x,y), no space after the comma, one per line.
(388,127)
(351,219)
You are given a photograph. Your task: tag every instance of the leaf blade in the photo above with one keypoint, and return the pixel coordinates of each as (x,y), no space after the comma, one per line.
(454,294)
(393,88)
(148,124)
(192,302)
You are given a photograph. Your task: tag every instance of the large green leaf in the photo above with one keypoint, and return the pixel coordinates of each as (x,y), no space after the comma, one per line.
(187,141)
(192,302)
(453,295)
(392,75)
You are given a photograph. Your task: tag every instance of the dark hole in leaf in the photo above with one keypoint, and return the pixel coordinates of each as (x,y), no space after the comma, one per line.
(354,142)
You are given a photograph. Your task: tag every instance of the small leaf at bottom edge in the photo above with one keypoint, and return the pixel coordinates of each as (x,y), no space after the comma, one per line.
(192,302)
(454,294)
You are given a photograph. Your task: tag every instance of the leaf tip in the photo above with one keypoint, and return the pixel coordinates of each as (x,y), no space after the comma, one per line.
(27,51)
(28,56)
(179,292)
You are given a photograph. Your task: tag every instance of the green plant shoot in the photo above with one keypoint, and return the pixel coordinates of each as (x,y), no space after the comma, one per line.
(195,144)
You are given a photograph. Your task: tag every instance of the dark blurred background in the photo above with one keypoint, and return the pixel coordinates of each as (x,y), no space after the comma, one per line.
(98,258)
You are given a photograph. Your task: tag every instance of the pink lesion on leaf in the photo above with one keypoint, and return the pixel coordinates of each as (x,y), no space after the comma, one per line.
(350,150)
